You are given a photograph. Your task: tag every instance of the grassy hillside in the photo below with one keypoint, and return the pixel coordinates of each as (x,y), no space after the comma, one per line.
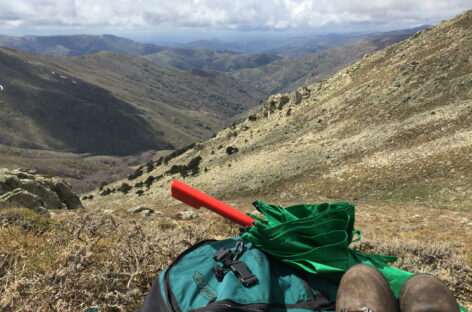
(112,103)
(285,75)
(42,110)
(188,59)
(75,45)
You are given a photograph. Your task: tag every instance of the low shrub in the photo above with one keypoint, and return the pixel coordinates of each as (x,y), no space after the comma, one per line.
(185,170)
(124,188)
(139,172)
(231,150)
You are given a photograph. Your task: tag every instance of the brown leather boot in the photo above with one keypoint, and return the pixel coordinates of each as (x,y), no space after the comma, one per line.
(363,288)
(426,293)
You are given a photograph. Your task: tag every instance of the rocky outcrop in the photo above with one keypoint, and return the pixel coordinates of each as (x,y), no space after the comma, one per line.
(25,199)
(40,193)
(279,101)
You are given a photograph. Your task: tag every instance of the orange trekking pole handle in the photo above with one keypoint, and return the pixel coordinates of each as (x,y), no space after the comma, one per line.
(197,199)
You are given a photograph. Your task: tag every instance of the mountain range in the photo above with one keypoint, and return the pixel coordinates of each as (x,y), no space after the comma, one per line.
(118,103)
(296,46)
(76,45)
(112,103)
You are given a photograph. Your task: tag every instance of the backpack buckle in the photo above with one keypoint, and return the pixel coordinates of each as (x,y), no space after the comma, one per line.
(222,254)
(242,272)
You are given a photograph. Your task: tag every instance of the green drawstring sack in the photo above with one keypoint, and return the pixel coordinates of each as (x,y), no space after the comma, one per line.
(316,238)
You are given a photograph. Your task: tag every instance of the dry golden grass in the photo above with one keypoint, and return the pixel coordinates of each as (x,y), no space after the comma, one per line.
(83,260)
(93,260)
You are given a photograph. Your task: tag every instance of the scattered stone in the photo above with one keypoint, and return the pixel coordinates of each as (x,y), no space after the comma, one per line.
(285,195)
(186,215)
(141,209)
(416,217)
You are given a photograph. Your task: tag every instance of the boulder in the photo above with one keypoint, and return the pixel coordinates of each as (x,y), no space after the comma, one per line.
(276,101)
(53,192)
(25,199)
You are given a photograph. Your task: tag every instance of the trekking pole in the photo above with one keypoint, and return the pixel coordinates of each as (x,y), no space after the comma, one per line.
(197,199)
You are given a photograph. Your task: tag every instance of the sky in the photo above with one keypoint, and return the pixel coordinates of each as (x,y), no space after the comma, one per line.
(187,20)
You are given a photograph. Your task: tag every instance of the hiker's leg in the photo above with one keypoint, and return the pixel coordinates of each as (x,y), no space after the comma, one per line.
(426,293)
(363,288)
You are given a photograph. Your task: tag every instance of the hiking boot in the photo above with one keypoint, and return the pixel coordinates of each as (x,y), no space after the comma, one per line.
(363,288)
(426,293)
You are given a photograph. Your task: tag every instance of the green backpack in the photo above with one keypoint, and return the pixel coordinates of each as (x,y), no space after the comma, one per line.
(233,275)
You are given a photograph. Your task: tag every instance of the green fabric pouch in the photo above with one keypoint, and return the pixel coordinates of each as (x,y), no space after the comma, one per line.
(316,239)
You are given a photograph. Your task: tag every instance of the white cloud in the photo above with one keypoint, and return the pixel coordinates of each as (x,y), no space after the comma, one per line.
(224,14)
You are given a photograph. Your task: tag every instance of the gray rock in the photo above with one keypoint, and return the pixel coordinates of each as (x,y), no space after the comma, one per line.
(64,191)
(141,209)
(295,97)
(25,199)
(187,215)
(274,102)
(54,192)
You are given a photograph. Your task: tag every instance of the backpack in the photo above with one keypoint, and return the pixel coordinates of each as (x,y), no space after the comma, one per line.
(234,275)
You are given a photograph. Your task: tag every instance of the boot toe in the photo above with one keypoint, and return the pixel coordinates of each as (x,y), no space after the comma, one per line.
(426,293)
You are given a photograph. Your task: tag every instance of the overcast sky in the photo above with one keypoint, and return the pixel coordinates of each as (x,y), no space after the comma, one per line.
(200,17)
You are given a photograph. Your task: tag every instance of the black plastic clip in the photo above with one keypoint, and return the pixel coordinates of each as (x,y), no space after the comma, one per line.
(219,272)
(222,254)
(242,272)
(239,249)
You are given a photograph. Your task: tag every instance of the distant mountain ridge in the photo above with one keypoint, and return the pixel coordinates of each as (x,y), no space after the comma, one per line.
(296,46)
(181,58)
(76,45)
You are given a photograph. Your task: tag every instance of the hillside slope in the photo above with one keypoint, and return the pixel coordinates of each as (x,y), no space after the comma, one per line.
(395,126)
(286,75)
(112,103)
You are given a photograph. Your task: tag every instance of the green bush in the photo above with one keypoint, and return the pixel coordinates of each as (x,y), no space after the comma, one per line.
(106,192)
(139,172)
(185,170)
(149,181)
(231,150)
(124,188)
(149,166)
(178,153)
(252,117)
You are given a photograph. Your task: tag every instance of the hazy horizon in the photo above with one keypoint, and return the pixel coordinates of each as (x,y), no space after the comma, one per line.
(191,20)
